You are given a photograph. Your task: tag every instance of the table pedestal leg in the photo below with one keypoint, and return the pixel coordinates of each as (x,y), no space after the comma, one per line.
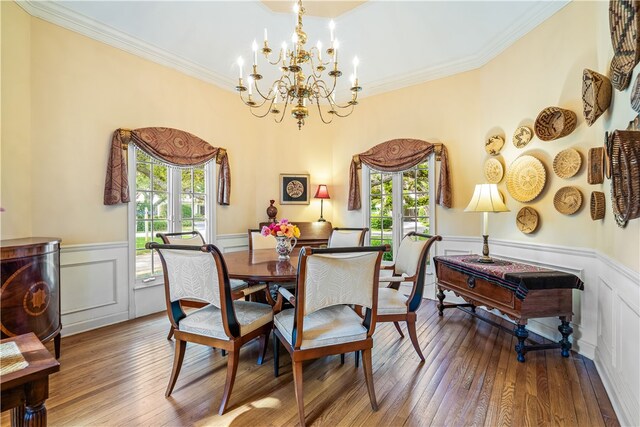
(35,415)
(522,334)
(440,296)
(566,330)
(17,416)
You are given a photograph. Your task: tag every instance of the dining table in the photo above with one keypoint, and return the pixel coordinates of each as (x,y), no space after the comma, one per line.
(262,265)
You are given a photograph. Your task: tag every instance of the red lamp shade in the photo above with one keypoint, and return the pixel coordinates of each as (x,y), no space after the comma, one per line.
(322,192)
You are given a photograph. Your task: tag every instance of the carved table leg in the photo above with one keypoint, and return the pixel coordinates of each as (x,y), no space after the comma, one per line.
(440,296)
(17,416)
(36,415)
(522,334)
(566,330)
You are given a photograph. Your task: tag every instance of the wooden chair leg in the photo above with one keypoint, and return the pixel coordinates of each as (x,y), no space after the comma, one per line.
(297,381)
(264,339)
(224,352)
(397,325)
(411,327)
(178,357)
(357,356)
(232,368)
(276,355)
(170,333)
(368,375)
(342,359)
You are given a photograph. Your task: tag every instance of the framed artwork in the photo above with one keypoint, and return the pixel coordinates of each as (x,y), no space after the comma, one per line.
(294,189)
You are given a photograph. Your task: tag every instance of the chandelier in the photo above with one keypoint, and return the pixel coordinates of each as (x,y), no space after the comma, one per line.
(294,88)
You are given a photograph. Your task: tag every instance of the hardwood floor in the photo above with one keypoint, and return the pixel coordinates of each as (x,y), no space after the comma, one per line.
(117,376)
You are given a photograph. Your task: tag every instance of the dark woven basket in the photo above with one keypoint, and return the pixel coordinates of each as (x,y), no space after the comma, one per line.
(596,166)
(624,24)
(597,205)
(625,175)
(554,122)
(596,95)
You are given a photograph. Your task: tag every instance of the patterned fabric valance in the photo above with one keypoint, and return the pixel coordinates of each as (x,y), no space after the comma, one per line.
(171,146)
(395,156)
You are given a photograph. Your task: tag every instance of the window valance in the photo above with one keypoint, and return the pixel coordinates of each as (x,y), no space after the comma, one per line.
(395,156)
(172,146)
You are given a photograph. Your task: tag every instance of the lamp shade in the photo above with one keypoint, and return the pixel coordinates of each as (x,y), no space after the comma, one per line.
(486,198)
(322,192)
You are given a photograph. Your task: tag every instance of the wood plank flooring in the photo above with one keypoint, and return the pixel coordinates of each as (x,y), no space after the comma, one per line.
(117,376)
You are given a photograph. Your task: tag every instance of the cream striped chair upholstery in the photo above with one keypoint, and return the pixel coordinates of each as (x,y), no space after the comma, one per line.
(347,237)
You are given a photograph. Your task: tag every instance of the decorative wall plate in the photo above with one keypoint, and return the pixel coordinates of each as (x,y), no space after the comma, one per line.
(525,178)
(595,174)
(567,200)
(494,144)
(522,136)
(493,171)
(554,122)
(567,163)
(527,220)
(597,205)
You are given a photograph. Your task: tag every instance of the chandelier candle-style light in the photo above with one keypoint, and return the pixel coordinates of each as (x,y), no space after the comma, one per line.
(294,87)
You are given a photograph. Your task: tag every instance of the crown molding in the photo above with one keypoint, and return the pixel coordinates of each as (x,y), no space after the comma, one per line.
(67,18)
(71,20)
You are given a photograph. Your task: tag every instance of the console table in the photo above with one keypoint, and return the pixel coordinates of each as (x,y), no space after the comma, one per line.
(520,291)
(315,233)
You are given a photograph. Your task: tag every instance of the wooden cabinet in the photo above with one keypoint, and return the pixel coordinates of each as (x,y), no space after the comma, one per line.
(311,233)
(30,293)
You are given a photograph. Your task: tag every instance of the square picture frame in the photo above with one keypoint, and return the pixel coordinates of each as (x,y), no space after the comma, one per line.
(294,189)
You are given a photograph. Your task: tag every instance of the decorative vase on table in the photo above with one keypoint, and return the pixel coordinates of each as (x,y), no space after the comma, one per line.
(284,246)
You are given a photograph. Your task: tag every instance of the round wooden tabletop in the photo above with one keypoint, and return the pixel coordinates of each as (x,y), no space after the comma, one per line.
(261,265)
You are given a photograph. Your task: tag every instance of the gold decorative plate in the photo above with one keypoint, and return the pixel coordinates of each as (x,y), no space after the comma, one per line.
(494,144)
(567,163)
(522,136)
(567,200)
(493,171)
(527,220)
(526,178)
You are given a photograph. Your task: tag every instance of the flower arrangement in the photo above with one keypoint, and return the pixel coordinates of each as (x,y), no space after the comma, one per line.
(281,228)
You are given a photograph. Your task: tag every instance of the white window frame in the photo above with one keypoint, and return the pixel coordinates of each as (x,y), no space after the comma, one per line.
(174,206)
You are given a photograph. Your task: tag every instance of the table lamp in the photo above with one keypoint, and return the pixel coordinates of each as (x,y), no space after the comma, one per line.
(486,198)
(322,193)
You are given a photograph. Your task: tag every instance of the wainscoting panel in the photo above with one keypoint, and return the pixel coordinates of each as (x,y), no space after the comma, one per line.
(94,286)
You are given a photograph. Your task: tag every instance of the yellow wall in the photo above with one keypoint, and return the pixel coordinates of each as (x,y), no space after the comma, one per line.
(543,68)
(71,92)
(16,164)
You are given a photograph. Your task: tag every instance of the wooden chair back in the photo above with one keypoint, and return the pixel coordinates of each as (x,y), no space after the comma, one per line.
(258,241)
(412,261)
(337,276)
(347,237)
(196,273)
(183,238)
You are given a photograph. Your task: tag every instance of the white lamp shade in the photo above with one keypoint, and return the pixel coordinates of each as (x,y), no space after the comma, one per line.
(486,198)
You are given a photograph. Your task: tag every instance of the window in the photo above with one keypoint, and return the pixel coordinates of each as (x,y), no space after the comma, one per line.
(398,203)
(167,200)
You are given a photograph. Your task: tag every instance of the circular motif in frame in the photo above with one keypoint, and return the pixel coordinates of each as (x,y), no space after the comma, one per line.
(567,163)
(527,220)
(567,200)
(522,136)
(494,144)
(526,178)
(493,171)
(295,189)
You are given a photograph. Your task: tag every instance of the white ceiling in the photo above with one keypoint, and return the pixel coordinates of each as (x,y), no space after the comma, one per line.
(399,43)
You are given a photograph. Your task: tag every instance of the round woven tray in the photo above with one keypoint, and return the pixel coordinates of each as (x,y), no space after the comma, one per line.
(595,174)
(522,136)
(493,171)
(494,144)
(567,163)
(567,200)
(526,177)
(554,122)
(624,146)
(596,95)
(597,205)
(527,220)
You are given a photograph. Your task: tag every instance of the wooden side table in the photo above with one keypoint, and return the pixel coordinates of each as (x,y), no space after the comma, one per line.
(25,390)
(518,290)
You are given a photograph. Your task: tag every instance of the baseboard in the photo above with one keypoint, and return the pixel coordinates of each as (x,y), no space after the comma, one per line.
(88,325)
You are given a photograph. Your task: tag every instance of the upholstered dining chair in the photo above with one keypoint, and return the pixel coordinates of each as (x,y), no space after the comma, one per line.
(258,241)
(200,273)
(347,237)
(322,323)
(239,288)
(410,267)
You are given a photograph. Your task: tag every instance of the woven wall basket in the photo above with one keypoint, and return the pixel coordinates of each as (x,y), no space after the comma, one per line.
(624,148)
(567,200)
(624,22)
(596,95)
(522,136)
(597,205)
(555,122)
(595,174)
(567,163)
(526,177)
(527,220)
(635,96)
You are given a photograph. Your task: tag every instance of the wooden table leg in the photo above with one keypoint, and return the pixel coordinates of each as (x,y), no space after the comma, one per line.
(440,296)
(35,414)
(521,333)
(17,416)
(566,330)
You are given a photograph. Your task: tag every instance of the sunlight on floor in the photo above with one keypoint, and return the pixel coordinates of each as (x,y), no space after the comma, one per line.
(266,403)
